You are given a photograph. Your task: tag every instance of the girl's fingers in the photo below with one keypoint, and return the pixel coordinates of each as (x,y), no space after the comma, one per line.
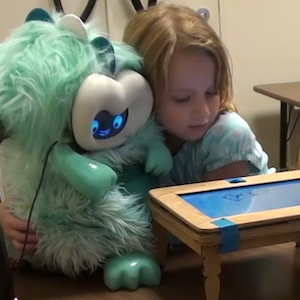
(29,249)
(20,237)
(20,225)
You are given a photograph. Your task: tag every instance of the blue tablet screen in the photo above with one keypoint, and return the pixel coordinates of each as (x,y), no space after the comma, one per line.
(243,200)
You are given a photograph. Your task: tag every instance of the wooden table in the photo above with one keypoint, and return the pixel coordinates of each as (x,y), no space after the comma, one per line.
(247,275)
(289,95)
(248,227)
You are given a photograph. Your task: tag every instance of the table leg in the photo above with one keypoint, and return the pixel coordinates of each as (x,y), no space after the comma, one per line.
(283,134)
(211,271)
(161,237)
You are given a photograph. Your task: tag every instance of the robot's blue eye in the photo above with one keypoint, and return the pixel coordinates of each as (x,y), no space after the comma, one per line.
(95,126)
(105,125)
(118,121)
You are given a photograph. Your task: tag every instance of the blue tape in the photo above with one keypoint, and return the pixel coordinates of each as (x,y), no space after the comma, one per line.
(236,180)
(230,235)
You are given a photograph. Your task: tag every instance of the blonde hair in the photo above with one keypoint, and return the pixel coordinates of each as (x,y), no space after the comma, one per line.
(157,32)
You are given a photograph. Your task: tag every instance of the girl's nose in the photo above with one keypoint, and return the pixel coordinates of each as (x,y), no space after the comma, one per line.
(201,111)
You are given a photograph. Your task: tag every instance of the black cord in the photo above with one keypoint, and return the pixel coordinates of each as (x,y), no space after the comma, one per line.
(152,2)
(32,206)
(86,12)
(58,6)
(138,6)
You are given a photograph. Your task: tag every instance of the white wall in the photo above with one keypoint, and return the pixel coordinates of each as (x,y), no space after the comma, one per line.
(14,12)
(263,40)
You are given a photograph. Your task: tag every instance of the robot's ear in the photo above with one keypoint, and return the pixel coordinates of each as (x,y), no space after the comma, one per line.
(75,25)
(39,14)
(106,48)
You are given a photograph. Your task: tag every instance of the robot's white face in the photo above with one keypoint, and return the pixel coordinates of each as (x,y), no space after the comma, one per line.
(106,111)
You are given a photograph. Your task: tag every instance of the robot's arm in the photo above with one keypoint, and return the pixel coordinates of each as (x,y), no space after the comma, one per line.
(159,160)
(91,178)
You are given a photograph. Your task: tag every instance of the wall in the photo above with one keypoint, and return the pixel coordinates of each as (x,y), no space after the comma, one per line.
(261,38)
(11,18)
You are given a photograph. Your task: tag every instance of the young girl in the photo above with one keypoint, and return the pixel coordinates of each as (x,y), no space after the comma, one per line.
(188,69)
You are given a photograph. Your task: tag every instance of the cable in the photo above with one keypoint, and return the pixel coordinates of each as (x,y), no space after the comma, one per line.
(32,206)
(86,12)
(152,3)
(138,6)
(58,6)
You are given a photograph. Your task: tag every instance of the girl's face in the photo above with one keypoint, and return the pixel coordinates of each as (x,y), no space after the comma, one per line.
(190,104)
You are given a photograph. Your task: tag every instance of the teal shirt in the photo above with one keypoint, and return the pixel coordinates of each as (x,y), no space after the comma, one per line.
(228,140)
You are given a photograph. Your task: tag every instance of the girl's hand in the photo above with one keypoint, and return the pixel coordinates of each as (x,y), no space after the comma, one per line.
(15,230)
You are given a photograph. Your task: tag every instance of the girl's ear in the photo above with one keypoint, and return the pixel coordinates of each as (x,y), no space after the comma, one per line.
(39,14)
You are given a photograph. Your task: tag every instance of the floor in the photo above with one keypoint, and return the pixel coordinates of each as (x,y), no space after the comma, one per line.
(271,273)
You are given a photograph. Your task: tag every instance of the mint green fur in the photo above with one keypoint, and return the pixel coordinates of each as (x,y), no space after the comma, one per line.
(76,233)
(46,67)
(41,70)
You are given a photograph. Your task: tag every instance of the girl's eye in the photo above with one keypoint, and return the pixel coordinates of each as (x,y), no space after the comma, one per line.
(181,100)
(211,93)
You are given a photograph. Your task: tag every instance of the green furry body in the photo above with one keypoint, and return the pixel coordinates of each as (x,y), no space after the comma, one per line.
(77,233)
(41,70)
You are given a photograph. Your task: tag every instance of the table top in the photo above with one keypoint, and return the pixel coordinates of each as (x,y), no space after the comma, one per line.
(247,210)
(288,92)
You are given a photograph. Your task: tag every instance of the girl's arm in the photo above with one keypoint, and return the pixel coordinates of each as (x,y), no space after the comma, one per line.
(236,169)
(231,150)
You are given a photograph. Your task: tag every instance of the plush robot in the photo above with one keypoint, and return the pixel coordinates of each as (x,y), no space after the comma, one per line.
(79,114)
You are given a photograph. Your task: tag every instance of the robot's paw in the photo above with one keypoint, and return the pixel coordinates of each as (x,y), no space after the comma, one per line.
(131,271)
